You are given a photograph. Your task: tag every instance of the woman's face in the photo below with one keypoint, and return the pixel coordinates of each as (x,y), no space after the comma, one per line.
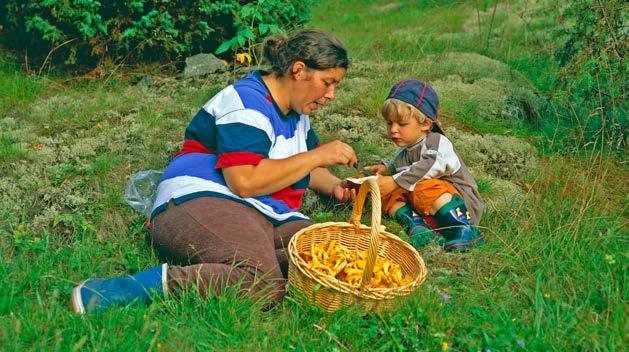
(313,88)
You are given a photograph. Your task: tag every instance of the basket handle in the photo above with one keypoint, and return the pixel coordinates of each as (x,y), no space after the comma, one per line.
(369,186)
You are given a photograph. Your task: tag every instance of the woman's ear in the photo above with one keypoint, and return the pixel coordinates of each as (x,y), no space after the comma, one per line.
(299,70)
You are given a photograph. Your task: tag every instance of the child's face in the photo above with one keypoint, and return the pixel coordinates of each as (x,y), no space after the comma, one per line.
(406,132)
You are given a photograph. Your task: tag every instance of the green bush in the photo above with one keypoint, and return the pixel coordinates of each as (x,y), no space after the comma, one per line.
(593,79)
(90,31)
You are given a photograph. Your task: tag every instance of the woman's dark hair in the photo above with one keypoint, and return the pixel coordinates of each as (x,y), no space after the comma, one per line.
(317,49)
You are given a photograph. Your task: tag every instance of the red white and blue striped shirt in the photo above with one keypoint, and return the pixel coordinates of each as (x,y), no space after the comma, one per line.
(240,125)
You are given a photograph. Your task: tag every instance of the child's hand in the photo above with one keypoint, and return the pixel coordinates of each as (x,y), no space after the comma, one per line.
(344,191)
(386,185)
(378,169)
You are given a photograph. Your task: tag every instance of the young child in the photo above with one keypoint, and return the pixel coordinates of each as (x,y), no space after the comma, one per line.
(429,177)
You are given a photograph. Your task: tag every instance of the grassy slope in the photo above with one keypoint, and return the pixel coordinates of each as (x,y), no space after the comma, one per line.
(552,276)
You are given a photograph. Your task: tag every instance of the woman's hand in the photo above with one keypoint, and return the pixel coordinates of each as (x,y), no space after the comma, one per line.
(386,184)
(335,153)
(377,169)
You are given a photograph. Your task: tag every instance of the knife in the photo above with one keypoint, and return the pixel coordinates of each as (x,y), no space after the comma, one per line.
(361,168)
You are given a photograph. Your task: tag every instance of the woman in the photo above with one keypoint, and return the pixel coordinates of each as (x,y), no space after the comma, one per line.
(228,203)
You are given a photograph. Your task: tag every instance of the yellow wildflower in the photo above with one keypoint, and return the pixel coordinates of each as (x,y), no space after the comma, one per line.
(243,58)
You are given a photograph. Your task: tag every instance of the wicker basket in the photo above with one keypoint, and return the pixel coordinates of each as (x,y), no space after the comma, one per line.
(330,293)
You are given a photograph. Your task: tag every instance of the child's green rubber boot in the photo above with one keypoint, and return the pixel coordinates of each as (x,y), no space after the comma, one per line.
(415,226)
(456,226)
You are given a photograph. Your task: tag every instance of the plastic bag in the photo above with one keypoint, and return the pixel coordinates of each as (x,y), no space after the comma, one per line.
(141,190)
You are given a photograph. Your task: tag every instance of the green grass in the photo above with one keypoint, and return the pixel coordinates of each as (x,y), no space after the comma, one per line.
(16,89)
(552,275)
(10,150)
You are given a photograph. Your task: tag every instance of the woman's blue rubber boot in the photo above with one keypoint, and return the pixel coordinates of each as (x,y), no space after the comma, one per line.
(419,232)
(94,295)
(457,227)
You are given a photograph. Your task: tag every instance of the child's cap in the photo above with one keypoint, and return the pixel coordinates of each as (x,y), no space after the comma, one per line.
(421,95)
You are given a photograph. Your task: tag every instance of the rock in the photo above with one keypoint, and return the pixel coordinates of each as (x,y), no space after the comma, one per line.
(146,81)
(203,64)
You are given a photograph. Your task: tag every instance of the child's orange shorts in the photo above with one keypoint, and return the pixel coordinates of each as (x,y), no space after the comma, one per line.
(422,197)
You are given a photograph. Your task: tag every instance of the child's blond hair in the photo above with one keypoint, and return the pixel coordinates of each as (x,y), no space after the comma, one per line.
(396,110)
